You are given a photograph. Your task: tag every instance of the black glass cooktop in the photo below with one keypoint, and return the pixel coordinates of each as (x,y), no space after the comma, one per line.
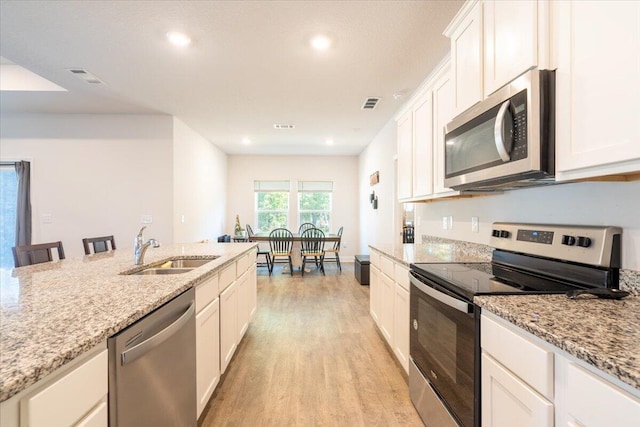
(468,280)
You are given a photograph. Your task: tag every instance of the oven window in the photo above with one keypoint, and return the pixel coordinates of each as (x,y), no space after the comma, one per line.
(439,334)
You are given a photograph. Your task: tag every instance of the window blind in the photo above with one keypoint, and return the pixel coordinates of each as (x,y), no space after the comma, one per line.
(271,186)
(315,186)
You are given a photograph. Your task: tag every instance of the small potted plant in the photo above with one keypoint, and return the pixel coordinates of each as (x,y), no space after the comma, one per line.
(238,230)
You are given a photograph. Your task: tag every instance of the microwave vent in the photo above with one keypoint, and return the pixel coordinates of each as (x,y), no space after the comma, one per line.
(370,103)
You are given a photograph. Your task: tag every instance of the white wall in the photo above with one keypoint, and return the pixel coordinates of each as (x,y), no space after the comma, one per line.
(342,170)
(588,203)
(199,186)
(95,174)
(377,226)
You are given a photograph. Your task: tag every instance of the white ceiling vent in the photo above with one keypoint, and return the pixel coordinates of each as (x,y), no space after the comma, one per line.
(86,76)
(283,126)
(370,103)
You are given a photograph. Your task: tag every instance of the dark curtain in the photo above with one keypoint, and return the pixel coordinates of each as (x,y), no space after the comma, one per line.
(23,211)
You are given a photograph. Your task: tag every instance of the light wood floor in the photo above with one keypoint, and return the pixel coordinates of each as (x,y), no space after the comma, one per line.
(312,357)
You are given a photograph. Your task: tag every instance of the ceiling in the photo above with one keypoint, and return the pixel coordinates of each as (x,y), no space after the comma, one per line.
(248,67)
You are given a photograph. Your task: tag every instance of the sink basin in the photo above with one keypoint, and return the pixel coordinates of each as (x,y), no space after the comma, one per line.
(154,271)
(186,263)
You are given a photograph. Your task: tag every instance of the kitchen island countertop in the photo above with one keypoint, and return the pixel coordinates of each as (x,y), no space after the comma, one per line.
(52,313)
(602,333)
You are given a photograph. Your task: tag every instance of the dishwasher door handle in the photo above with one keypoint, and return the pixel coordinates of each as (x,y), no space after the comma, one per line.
(154,341)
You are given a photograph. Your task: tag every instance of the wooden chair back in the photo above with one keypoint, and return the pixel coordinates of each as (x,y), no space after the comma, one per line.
(407,235)
(281,241)
(100,244)
(305,226)
(312,241)
(36,254)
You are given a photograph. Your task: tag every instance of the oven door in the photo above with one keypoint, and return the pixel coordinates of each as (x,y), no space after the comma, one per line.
(443,345)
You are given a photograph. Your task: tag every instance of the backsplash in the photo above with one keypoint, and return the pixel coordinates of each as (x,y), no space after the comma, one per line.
(629,279)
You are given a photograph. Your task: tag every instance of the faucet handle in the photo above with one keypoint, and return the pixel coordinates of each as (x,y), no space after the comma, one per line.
(154,243)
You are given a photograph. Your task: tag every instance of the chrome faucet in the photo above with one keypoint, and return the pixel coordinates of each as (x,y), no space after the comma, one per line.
(139,248)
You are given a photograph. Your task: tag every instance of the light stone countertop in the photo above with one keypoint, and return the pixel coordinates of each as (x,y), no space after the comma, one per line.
(51,313)
(436,252)
(603,333)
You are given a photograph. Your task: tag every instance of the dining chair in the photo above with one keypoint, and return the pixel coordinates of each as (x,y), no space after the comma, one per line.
(334,252)
(262,250)
(100,244)
(305,226)
(36,254)
(312,243)
(407,234)
(280,245)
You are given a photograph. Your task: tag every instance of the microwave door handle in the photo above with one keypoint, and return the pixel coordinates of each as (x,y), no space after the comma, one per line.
(498,132)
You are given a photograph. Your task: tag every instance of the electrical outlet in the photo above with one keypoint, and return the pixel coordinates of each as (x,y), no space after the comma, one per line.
(146,219)
(450,221)
(182,219)
(47,218)
(474,224)
(445,223)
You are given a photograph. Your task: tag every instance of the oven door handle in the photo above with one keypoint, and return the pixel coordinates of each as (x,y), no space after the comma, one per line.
(450,301)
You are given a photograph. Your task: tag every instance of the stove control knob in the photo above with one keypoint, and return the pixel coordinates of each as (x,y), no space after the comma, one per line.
(568,240)
(504,234)
(495,233)
(584,242)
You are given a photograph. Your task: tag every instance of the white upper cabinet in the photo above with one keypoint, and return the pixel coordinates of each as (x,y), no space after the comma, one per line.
(442,114)
(405,155)
(510,31)
(596,48)
(465,33)
(423,146)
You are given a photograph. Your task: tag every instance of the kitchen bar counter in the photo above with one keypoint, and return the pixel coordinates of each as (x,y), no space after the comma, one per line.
(436,251)
(603,333)
(51,313)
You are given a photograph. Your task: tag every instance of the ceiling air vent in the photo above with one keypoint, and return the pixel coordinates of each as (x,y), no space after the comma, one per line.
(283,126)
(370,103)
(85,75)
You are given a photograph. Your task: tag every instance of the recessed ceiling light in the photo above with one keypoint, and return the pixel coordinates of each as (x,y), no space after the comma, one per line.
(320,42)
(329,141)
(246,141)
(178,39)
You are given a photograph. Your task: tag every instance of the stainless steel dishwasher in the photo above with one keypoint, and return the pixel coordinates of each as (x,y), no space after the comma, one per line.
(152,368)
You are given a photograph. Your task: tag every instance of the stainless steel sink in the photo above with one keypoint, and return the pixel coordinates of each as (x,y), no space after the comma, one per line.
(187,263)
(154,271)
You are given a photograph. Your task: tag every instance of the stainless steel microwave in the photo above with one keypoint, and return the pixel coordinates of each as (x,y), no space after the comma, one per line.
(505,141)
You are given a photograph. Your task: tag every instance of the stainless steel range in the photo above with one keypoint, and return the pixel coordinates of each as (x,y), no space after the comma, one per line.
(444,371)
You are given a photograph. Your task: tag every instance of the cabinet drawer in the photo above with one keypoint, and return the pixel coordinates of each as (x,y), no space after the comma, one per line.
(402,276)
(227,276)
(70,398)
(386,265)
(374,258)
(206,292)
(594,401)
(532,363)
(244,263)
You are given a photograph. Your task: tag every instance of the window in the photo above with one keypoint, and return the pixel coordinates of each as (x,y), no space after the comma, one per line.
(271,205)
(314,203)
(8,204)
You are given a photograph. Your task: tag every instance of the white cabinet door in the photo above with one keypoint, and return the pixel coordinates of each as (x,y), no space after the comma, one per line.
(596,48)
(375,293)
(510,41)
(405,155)
(228,325)
(386,310)
(423,146)
(253,293)
(466,60)
(442,114)
(244,297)
(207,352)
(98,417)
(401,326)
(508,402)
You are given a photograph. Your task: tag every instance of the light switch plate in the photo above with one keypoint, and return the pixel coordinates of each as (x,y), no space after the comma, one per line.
(146,219)
(47,218)
(445,222)
(474,224)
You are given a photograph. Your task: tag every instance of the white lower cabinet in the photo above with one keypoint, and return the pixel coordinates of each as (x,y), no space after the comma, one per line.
(228,325)
(74,395)
(207,352)
(522,386)
(507,401)
(244,311)
(389,303)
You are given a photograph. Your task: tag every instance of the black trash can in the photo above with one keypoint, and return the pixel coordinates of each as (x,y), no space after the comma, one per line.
(361,269)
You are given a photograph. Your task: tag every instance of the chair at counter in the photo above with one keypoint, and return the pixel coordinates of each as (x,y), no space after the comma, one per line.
(36,254)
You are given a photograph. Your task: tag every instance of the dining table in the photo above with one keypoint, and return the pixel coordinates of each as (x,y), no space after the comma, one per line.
(296,258)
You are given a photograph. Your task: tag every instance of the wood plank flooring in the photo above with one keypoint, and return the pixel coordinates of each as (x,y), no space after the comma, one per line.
(312,357)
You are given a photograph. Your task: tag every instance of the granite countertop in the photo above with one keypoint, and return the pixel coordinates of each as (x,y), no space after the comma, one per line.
(436,252)
(52,313)
(603,333)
